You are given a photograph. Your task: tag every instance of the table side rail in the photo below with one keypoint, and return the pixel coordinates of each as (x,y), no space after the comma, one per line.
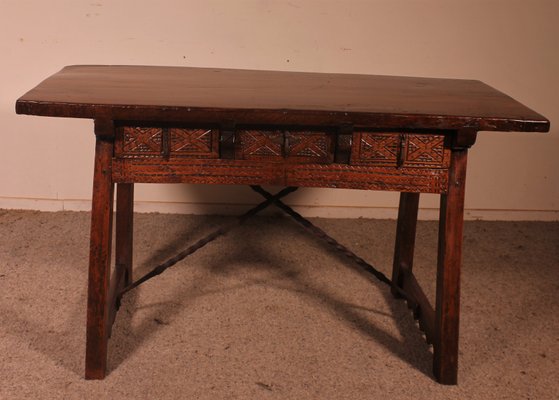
(291,156)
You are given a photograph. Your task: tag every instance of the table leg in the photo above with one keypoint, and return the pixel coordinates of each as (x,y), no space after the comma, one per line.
(122,275)
(405,238)
(447,311)
(124,229)
(99,261)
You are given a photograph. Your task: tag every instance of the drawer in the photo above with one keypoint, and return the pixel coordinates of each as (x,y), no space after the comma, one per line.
(310,157)
(298,146)
(392,149)
(174,142)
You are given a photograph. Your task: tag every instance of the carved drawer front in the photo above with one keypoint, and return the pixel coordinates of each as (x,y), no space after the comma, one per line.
(292,145)
(155,142)
(259,145)
(312,147)
(400,150)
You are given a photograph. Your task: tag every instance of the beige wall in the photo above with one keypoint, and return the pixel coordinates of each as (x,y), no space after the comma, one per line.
(510,44)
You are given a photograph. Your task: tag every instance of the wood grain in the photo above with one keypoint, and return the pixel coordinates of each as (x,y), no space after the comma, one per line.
(124,229)
(244,96)
(98,326)
(447,308)
(405,238)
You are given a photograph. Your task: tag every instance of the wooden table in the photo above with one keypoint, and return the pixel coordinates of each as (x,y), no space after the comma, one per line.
(219,126)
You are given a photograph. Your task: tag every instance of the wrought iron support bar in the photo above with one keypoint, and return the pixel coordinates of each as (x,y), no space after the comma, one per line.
(309,226)
(209,238)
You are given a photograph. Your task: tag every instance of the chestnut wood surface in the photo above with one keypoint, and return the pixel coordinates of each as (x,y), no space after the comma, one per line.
(245,96)
(98,302)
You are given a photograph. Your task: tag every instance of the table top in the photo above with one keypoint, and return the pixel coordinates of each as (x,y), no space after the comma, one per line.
(273,97)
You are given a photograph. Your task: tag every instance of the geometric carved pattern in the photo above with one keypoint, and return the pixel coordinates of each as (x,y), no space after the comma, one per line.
(379,148)
(297,146)
(405,162)
(309,147)
(426,150)
(155,142)
(142,141)
(193,142)
(404,179)
(257,172)
(396,149)
(257,144)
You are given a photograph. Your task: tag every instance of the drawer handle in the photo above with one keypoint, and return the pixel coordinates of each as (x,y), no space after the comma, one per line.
(402,150)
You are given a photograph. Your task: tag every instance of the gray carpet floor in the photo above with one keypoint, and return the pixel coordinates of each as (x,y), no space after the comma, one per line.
(269,312)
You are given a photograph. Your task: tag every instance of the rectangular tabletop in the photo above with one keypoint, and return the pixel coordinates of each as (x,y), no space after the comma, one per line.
(271,97)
